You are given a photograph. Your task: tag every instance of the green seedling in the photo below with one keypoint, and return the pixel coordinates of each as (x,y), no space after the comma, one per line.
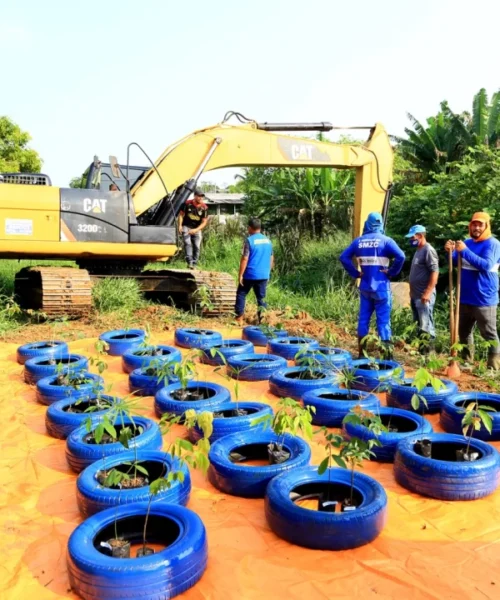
(98,361)
(349,454)
(475,416)
(290,418)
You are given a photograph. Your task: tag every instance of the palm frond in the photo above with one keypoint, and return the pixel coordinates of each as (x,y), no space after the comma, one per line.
(480,115)
(494,117)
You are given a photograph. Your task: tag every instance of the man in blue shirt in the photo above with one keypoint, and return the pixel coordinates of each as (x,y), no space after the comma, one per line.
(479,293)
(256,263)
(373,252)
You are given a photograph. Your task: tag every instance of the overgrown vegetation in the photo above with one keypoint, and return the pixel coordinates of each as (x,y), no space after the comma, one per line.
(116,294)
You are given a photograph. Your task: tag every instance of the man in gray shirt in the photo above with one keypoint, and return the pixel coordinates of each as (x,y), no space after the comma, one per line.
(424,274)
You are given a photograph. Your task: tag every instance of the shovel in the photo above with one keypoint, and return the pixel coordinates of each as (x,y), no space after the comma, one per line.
(453,370)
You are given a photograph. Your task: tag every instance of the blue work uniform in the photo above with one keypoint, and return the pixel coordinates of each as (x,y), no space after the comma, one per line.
(373,252)
(259,250)
(480,272)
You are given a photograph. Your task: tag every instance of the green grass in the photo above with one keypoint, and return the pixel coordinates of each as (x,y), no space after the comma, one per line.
(9,268)
(115,294)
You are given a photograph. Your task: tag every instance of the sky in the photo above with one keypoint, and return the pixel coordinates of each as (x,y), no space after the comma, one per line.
(86,78)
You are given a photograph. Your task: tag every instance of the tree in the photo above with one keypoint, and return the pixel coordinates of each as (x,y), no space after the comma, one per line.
(15,156)
(78,182)
(446,205)
(448,135)
(311,199)
(483,126)
(431,148)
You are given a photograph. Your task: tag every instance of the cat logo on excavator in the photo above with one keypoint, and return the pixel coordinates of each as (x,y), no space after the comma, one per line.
(95,205)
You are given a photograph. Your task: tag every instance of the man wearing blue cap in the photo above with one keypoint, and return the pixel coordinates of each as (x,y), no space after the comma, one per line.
(373,252)
(424,274)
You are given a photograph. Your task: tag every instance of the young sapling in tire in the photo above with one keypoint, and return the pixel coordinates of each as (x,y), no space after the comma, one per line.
(291,417)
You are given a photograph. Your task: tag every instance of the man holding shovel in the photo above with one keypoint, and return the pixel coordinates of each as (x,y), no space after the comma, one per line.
(479,287)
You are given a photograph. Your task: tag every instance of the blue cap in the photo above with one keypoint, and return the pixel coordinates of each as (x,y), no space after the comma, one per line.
(415,229)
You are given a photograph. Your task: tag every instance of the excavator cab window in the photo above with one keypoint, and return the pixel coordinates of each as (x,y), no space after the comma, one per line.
(101,176)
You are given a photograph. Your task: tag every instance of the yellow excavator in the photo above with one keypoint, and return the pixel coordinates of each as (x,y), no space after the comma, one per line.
(116,233)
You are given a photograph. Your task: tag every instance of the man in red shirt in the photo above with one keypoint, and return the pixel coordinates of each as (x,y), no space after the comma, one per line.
(193,218)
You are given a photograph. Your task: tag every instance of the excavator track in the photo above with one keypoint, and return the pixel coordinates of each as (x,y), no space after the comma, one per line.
(54,291)
(68,291)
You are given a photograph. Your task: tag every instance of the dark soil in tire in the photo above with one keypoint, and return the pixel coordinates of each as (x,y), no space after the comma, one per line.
(334,396)
(375,367)
(398,424)
(305,375)
(309,494)
(193,395)
(107,439)
(255,455)
(155,470)
(160,531)
(446,451)
(84,405)
(227,414)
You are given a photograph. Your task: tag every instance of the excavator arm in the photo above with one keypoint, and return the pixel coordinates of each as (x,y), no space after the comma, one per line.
(252,144)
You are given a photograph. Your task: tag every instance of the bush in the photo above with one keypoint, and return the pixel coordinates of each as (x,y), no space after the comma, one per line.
(114,294)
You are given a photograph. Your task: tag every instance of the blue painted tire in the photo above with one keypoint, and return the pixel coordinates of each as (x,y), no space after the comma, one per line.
(136,359)
(196,338)
(80,455)
(368,380)
(60,423)
(47,392)
(324,530)
(251,482)
(328,357)
(166,403)
(44,348)
(234,424)
(287,347)
(227,348)
(400,395)
(390,440)
(254,367)
(447,480)
(37,368)
(283,383)
(147,385)
(331,411)
(120,341)
(452,414)
(92,497)
(163,575)
(254,334)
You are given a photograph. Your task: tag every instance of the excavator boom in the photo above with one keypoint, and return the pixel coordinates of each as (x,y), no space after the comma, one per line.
(248,145)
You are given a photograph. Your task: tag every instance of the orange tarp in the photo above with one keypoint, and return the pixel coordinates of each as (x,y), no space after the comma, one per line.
(428,550)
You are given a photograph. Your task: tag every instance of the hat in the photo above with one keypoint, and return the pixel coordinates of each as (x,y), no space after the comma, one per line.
(482,217)
(415,229)
(198,192)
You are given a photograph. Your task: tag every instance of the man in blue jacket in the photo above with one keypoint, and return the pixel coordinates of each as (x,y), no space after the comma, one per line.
(373,252)
(479,293)
(256,263)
